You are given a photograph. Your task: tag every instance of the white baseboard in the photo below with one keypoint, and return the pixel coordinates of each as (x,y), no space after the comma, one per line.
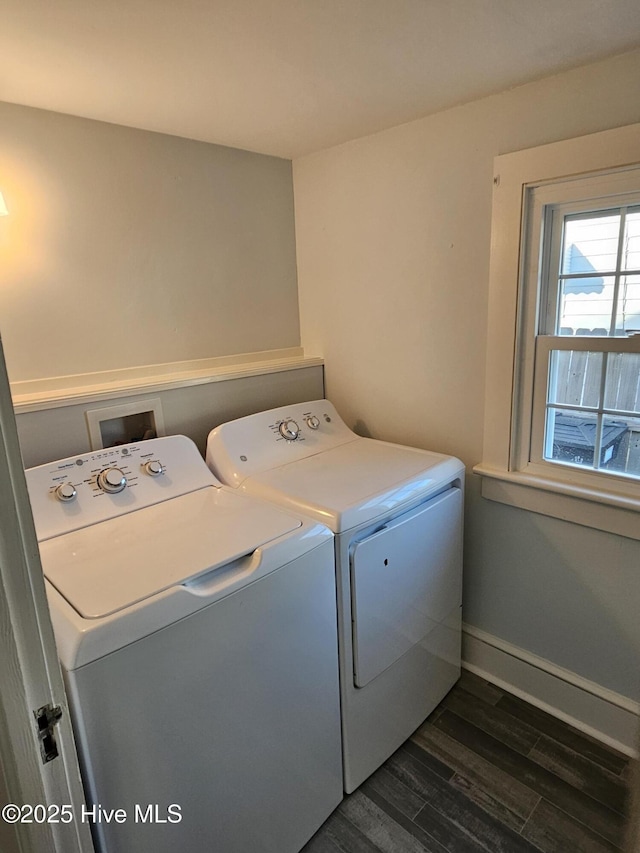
(601,713)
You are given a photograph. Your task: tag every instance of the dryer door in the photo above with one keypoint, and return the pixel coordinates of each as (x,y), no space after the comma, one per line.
(405,579)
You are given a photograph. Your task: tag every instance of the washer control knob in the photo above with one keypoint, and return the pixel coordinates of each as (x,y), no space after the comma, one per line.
(66,492)
(112,480)
(153,468)
(313,422)
(289,429)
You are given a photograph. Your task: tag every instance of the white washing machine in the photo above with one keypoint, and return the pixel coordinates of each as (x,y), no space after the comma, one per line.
(197,634)
(397,515)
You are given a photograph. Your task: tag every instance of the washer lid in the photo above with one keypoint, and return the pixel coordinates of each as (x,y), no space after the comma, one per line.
(107,567)
(355,482)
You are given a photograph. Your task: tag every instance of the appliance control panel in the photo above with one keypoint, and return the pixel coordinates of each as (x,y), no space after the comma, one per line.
(95,486)
(291,430)
(242,448)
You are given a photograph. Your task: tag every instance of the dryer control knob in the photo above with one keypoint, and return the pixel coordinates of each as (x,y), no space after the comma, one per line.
(289,429)
(153,468)
(112,480)
(313,422)
(66,492)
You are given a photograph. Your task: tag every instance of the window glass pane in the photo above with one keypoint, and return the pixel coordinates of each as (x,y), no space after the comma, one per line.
(628,318)
(575,378)
(631,247)
(621,445)
(590,243)
(570,437)
(622,390)
(586,305)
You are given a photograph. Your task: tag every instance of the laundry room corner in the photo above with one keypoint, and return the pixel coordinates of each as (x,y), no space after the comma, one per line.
(393,242)
(320,409)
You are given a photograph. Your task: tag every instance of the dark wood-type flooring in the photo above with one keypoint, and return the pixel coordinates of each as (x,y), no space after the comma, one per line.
(486,772)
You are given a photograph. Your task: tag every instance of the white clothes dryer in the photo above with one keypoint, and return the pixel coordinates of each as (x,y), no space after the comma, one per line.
(196,630)
(397,517)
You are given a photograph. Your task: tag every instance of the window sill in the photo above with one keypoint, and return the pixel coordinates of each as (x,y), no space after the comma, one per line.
(589,507)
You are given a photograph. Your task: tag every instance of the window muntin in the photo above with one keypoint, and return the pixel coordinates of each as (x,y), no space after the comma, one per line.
(592,412)
(597,291)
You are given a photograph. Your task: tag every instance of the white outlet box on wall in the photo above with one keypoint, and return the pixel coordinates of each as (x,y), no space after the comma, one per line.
(122,424)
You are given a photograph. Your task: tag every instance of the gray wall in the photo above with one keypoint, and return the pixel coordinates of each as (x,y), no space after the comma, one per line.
(393,243)
(193,411)
(561,591)
(127,248)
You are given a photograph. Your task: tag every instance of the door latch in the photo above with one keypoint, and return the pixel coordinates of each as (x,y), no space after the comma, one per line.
(47,719)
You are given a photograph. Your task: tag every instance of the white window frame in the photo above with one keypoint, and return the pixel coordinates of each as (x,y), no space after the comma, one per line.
(523,180)
(534,342)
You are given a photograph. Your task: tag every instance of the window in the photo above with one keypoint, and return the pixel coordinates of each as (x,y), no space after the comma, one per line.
(586,375)
(563,365)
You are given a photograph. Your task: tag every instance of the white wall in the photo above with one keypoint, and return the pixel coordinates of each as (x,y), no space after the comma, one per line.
(128,248)
(393,242)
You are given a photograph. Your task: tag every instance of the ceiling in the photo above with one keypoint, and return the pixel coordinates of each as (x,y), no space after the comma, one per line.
(289,77)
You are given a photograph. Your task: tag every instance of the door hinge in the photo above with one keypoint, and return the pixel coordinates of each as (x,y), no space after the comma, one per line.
(47,719)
